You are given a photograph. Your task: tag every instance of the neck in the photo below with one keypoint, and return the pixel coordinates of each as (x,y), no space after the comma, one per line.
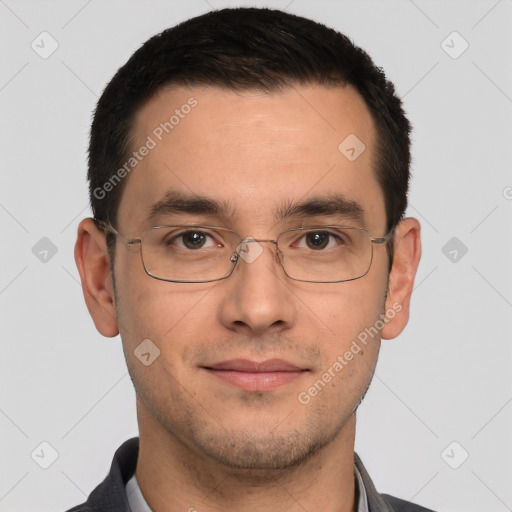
(176,477)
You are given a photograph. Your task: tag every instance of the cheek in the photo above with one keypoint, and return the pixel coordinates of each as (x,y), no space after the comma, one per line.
(171,320)
(169,314)
(352,314)
(349,307)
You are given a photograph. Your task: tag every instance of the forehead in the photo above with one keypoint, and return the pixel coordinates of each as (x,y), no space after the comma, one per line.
(253,150)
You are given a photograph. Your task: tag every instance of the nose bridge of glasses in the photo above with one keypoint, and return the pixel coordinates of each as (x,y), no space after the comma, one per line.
(249,249)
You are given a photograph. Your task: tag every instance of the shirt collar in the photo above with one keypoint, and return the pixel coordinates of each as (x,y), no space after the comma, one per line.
(135,498)
(139,504)
(363,499)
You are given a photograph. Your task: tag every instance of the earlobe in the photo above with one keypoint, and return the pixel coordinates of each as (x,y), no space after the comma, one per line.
(93,264)
(407,254)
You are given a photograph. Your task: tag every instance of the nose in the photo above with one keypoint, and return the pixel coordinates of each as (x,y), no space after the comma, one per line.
(258,298)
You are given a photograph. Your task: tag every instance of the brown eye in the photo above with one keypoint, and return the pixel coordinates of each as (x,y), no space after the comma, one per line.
(317,240)
(193,239)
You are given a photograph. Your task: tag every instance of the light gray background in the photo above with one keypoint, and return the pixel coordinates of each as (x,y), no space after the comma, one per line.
(446,378)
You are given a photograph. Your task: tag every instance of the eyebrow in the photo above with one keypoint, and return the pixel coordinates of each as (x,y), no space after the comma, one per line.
(180,203)
(332,205)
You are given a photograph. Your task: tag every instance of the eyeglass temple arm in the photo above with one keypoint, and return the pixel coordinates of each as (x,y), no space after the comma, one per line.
(383,239)
(105,226)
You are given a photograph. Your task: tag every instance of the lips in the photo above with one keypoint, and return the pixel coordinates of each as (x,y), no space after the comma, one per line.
(245,365)
(256,376)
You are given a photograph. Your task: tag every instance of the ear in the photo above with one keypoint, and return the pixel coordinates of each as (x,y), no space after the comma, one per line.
(406,258)
(93,264)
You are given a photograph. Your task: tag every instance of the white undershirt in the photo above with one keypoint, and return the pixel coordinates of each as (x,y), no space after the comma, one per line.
(138,503)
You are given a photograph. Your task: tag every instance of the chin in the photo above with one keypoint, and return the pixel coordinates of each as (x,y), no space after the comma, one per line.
(265,452)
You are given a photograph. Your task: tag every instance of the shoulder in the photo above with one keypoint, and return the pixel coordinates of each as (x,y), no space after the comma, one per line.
(399,505)
(383,502)
(110,495)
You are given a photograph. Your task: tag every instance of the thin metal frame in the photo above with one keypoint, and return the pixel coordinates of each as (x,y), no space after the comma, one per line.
(235,257)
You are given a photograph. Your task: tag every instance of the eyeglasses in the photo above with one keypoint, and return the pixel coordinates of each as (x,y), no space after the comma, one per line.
(201,254)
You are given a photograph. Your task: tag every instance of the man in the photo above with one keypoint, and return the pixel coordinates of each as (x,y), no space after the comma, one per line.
(248,176)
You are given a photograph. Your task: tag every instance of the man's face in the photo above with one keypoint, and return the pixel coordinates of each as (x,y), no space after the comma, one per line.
(258,152)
